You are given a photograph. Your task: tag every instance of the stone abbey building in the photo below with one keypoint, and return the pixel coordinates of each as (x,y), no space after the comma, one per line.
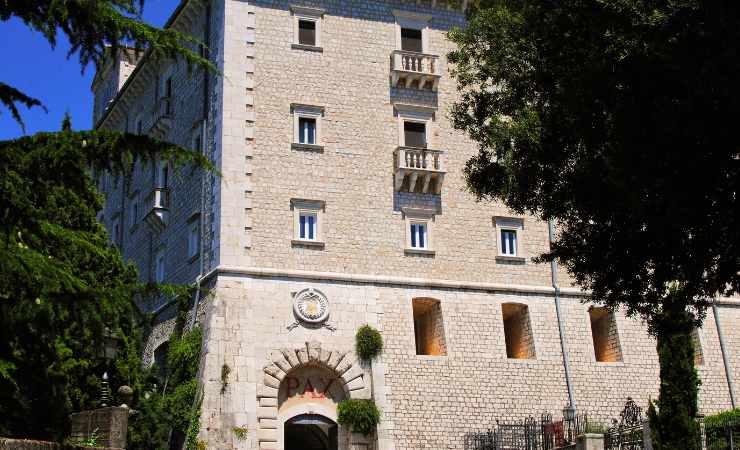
(341,202)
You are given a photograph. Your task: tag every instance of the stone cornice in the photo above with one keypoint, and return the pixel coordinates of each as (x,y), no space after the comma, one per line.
(389,280)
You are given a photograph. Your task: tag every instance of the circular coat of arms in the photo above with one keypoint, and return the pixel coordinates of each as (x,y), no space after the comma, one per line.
(311,305)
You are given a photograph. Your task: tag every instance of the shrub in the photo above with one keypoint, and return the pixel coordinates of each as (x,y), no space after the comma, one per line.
(362,416)
(368,342)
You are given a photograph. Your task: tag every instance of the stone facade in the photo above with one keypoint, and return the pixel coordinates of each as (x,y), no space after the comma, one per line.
(252,262)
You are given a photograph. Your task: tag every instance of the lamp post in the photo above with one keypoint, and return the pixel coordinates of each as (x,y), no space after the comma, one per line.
(110,347)
(569,416)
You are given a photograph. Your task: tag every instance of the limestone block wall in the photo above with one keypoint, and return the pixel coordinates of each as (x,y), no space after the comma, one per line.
(363,223)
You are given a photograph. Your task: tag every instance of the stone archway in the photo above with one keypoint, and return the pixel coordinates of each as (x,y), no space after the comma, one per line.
(349,380)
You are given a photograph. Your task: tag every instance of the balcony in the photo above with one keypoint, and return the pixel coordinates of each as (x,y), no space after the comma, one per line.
(415,70)
(161,117)
(158,208)
(419,170)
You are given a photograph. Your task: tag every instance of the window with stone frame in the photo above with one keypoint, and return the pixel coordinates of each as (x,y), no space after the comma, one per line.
(518,331)
(607,347)
(307,24)
(194,237)
(307,222)
(429,332)
(307,127)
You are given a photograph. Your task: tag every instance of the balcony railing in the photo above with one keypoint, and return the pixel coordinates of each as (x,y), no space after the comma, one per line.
(158,208)
(419,170)
(162,116)
(411,69)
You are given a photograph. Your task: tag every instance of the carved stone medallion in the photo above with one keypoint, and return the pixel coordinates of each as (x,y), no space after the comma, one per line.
(311,306)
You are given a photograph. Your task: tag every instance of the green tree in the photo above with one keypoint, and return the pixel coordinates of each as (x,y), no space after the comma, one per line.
(615,119)
(94,28)
(63,288)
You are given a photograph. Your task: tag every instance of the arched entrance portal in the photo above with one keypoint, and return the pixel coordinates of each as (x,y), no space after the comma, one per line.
(307,408)
(310,432)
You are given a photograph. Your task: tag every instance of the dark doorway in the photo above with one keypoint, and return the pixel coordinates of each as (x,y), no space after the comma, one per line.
(310,432)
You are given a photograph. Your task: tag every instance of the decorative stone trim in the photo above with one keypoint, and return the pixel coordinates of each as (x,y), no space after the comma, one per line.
(404,281)
(351,375)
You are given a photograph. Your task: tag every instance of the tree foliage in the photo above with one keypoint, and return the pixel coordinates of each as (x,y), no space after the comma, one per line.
(94,29)
(368,342)
(360,415)
(62,286)
(615,118)
(674,423)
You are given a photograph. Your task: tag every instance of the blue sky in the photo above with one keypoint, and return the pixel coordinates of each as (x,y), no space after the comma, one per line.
(31,66)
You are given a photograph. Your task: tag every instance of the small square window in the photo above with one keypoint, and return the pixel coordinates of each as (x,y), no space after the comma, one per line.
(307,225)
(414,134)
(508,242)
(307,32)
(411,40)
(306,130)
(419,235)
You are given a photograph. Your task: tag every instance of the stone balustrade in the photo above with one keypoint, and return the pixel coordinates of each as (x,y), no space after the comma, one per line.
(415,70)
(419,170)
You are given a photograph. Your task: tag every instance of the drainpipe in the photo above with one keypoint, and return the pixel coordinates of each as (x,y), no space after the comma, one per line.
(561,327)
(725,358)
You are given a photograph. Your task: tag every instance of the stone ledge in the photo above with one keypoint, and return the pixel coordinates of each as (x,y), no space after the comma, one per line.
(307,147)
(310,48)
(388,279)
(511,259)
(313,244)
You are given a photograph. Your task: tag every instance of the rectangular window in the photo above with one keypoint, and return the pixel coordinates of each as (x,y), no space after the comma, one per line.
(307,32)
(419,235)
(306,130)
(605,336)
(429,332)
(698,351)
(139,127)
(411,40)
(168,96)
(114,237)
(159,267)
(134,211)
(415,134)
(194,239)
(518,331)
(307,226)
(508,242)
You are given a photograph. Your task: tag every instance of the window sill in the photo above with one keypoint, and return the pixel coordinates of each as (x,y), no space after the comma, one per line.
(304,243)
(310,48)
(522,360)
(610,363)
(419,251)
(307,147)
(433,357)
(511,259)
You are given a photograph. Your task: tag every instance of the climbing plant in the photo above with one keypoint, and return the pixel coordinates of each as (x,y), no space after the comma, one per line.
(360,415)
(368,342)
